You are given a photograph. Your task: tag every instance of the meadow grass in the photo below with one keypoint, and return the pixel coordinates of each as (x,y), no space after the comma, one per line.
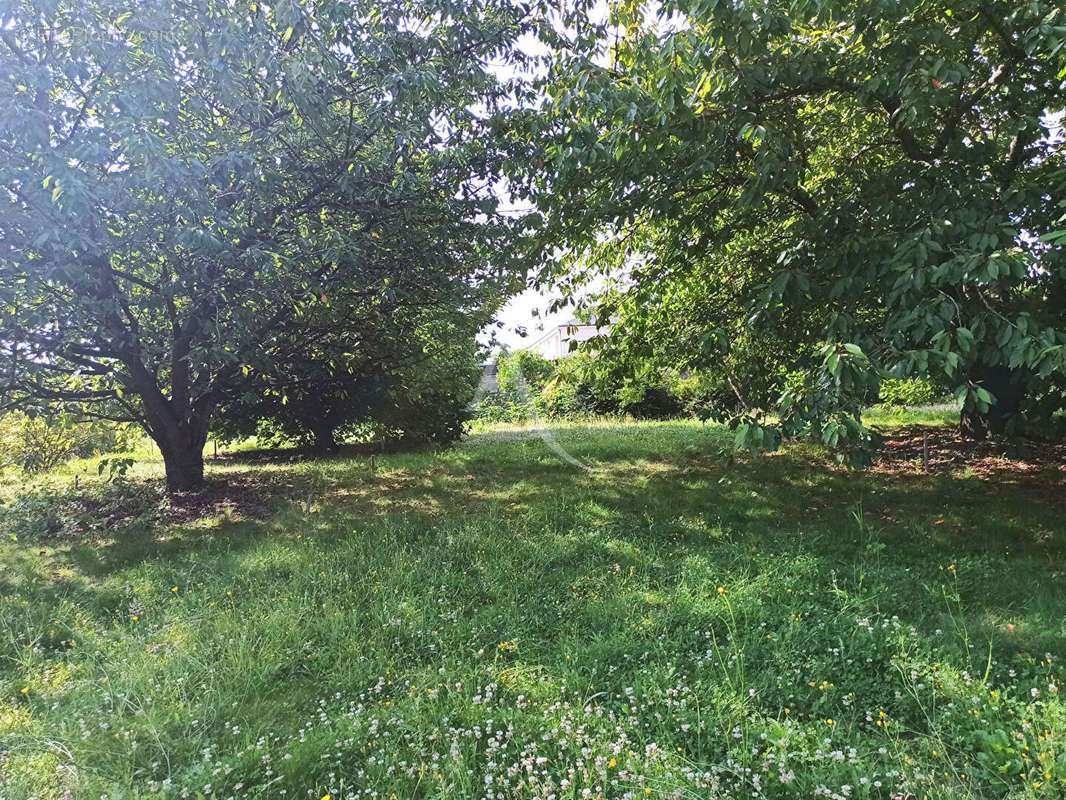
(493,622)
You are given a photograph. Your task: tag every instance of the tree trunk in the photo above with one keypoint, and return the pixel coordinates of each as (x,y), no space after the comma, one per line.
(177,425)
(185,469)
(182,445)
(323,440)
(1007,387)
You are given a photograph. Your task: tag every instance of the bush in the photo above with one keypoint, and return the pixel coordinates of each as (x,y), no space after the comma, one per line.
(526,386)
(430,417)
(523,371)
(35,444)
(560,399)
(329,404)
(501,407)
(647,397)
(583,385)
(908,392)
(698,394)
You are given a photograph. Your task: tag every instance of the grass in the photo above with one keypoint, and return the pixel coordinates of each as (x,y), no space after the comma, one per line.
(936,414)
(491,621)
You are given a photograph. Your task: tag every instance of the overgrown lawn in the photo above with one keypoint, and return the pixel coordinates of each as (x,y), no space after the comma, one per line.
(493,621)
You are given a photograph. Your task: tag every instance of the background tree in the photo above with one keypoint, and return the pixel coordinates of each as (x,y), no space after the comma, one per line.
(185,183)
(410,372)
(846,189)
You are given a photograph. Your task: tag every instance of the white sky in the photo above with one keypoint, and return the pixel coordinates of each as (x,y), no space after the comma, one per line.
(520,312)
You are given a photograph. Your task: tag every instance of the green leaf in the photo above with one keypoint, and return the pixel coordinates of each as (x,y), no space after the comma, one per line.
(741,438)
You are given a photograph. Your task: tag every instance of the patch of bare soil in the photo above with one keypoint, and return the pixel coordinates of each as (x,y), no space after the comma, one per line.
(925,449)
(236,496)
(80,515)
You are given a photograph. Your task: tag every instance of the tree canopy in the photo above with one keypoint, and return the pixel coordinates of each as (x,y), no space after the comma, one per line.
(193,192)
(837,191)
(237,204)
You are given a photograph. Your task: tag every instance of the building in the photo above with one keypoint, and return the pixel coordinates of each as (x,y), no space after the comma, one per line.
(555,341)
(488,382)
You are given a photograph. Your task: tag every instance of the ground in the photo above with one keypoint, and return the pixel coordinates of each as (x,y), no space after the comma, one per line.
(493,621)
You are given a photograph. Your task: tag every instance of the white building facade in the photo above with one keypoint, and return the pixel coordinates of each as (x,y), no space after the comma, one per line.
(555,342)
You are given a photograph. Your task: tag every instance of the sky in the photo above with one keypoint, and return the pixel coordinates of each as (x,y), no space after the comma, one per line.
(521,313)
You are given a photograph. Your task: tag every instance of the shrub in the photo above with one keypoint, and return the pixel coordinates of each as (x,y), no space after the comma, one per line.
(560,400)
(424,402)
(431,417)
(576,386)
(35,444)
(647,397)
(523,367)
(586,385)
(501,407)
(698,394)
(908,392)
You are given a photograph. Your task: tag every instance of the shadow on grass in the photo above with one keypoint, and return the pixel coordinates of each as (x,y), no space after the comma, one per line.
(298,455)
(655,570)
(663,490)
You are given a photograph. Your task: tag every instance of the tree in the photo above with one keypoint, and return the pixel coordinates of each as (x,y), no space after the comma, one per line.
(413,372)
(187,187)
(848,190)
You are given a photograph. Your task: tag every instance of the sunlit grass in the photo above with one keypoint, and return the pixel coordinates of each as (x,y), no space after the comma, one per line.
(890,416)
(490,621)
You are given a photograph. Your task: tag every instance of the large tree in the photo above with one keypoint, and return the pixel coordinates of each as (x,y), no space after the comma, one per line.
(185,185)
(847,189)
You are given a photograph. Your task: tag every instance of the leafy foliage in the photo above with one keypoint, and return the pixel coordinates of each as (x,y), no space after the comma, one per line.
(38,444)
(499,406)
(581,385)
(194,192)
(914,392)
(523,369)
(116,468)
(410,375)
(852,191)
